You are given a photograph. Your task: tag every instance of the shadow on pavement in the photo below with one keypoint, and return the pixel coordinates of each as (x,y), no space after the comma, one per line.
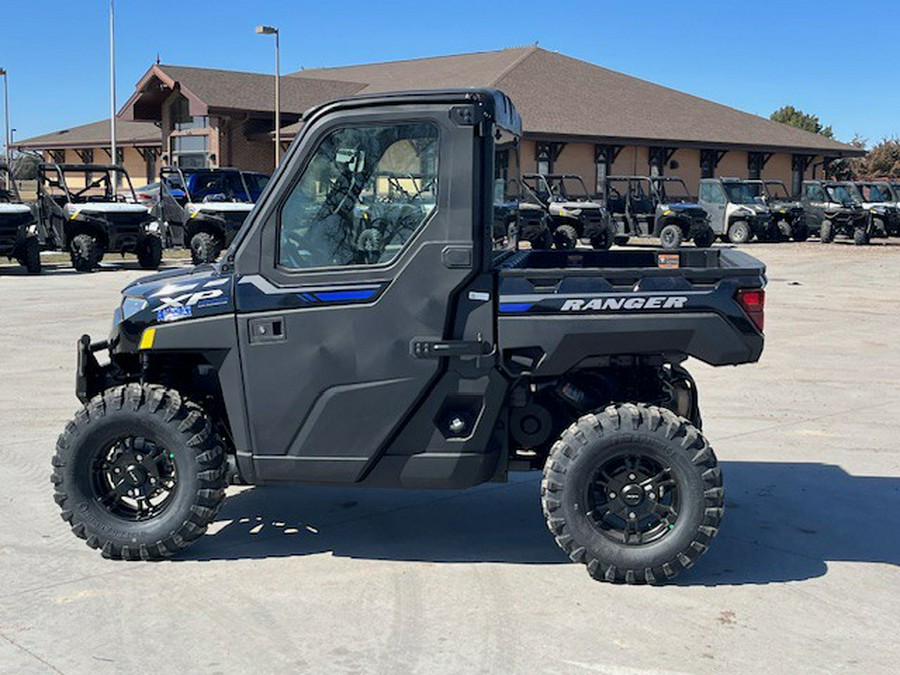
(65,270)
(783,522)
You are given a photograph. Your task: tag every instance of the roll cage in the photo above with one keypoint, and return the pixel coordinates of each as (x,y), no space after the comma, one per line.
(74,195)
(9,190)
(193,195)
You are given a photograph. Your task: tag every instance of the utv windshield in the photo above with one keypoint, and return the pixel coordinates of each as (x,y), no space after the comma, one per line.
(568,188)
(673,191)
(222,186)
(93,185)
(776,190)
(843,194)
(741,193)
(873,192)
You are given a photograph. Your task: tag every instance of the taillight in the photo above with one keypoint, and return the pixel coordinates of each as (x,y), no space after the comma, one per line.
(753,302)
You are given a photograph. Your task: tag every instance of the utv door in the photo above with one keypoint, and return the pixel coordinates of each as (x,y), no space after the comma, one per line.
(814,201)
(713,201)
(360,256)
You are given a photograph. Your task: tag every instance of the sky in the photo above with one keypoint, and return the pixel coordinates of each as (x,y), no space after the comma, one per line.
(754,56)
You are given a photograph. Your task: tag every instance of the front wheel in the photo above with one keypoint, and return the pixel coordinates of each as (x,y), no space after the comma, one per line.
(704,238)
(205,248)
(565,237)
(826,232)
(670,237)
(634,492)
(800,232)
(31,256)
(85,253)
(602,240)
(739,232)
(150,252)
(139,472)
(860,236)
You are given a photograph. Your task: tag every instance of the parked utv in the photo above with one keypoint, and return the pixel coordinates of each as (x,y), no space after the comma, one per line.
(20,238)
(833,210)
(657,206)
(90,210)
(883,203)
(573,213)
(735,212)
(202,209)
(520,217)
(442,363)
(788,217)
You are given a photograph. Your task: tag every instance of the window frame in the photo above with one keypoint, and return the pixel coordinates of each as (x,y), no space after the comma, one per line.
(321,137)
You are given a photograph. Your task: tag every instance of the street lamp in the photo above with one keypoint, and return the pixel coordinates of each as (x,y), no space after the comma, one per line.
(272,30)
(6,108)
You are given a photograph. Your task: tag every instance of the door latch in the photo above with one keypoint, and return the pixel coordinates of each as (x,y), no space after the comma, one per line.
(425,348)
(267,330)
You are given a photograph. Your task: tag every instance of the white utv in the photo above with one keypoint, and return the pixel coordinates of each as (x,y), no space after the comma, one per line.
(735,211)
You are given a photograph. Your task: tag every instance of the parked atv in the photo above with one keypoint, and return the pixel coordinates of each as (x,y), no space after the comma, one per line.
(788,217)
(833,210)
(20,238)
(90,210)
(202,209)
(736,213)
(656,206)
(573,213)
(883,202)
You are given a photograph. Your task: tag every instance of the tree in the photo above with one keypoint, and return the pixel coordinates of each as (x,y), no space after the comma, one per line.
(883,160)
(797,118)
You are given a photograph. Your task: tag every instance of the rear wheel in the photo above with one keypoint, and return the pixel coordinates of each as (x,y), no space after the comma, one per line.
(149,253)
(565,237)
(205,248)
(84,253)
(739,232)
(826,232)
(139,472)
(800,232)
(705,238)
(602,240)
(633,492)
(670,237)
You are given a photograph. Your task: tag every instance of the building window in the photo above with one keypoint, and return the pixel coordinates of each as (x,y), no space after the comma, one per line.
(190,152)
(182,120)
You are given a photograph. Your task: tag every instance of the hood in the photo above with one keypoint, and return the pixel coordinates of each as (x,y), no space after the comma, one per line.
(220,207)
(174,296)
(13,209)
(106,207)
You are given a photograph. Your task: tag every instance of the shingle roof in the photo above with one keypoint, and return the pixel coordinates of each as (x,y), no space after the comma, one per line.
(558,95)
(95,134)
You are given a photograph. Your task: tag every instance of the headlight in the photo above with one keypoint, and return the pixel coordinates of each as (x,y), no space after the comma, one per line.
(31,230)
(153,226)
(131,306)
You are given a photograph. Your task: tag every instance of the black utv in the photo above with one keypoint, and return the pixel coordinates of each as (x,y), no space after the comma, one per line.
(883,202)
(832,209)
(439,363)
(520,217)
(202,209)
(90,210)
(574,214)
(656,206)
(20,239)
(788,216)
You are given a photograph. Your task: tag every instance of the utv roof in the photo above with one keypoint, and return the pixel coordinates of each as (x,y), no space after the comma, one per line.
(497,104)
(209,169)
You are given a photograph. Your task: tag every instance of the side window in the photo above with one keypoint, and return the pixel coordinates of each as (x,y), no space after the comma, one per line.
(364,194)
(712,193)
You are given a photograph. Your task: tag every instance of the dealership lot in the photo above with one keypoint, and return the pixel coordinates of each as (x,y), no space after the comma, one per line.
(804,576)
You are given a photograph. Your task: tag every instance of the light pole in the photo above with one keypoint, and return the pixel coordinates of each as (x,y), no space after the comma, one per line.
(272,30)
(6,108)
(112,81)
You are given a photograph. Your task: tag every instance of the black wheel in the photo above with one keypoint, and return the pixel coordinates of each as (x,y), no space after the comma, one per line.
(603,240)
(704,238)
(633,492)
(205,248)
(878,228)
(670,237)
(800,232)
(826,232)
(860,236)
(31,256)
(370,245)
(620,240)
(84,253)
(565,237)
(149,253)
(543,241)
(739,232)
(139,473)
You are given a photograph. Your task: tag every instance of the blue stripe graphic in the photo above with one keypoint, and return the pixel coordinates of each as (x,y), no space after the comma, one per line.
(338,296)
(515,307)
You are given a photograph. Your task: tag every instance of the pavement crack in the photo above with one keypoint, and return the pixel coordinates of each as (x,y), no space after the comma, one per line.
(31,653)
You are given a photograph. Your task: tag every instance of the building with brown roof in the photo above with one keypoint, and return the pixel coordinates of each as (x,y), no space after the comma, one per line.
(577,117)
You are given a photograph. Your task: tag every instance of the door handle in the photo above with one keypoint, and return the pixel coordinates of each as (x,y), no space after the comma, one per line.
(269,329)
